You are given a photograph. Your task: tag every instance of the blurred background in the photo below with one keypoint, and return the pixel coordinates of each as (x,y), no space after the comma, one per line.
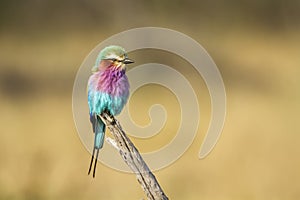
(255,44)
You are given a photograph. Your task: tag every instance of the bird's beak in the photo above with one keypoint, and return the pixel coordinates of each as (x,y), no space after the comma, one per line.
(128,61)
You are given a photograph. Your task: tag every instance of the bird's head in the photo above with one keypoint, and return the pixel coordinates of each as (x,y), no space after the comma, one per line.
(112,56)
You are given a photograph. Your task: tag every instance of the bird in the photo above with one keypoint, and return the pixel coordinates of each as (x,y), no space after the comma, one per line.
(107,91)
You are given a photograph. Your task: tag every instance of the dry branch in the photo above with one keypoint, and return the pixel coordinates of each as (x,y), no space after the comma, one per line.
(134,160)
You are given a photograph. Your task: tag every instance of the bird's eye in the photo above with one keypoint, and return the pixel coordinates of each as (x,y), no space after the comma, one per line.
(114,59)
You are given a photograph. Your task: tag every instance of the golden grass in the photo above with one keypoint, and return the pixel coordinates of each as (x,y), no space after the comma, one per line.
(257,156)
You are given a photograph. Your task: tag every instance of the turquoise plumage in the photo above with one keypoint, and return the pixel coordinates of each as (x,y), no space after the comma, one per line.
(108,91)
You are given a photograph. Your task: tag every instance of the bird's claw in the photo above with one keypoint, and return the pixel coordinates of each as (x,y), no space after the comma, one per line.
(111,118)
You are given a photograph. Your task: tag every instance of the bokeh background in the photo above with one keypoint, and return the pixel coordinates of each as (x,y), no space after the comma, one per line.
(256,45)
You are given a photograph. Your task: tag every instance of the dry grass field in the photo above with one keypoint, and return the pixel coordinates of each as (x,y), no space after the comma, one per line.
(257,156)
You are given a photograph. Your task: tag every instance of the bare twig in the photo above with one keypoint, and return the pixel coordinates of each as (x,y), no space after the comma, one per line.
(112,142)
(134,160)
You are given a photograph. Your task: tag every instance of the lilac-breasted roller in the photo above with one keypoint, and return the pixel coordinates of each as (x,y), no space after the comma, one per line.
(108,91)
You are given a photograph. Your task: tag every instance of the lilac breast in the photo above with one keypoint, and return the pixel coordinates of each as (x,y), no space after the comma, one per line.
(108,89)
(111,81)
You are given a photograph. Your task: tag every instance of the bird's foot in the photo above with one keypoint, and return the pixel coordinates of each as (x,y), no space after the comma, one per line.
(111,117)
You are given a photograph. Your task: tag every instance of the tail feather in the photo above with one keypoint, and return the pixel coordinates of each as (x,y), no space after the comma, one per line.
(99,131)
(99,134)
